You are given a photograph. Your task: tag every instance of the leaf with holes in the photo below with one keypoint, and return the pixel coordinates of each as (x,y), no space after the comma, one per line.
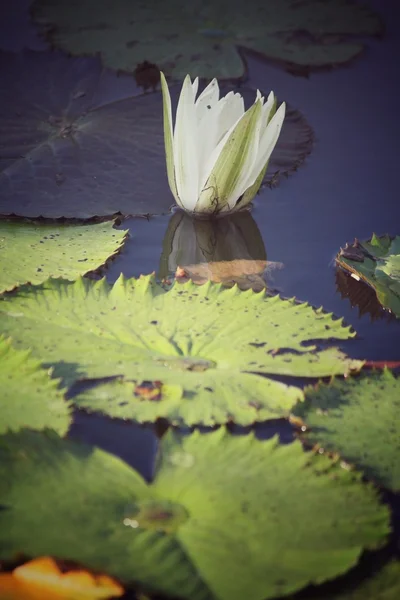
(83,143)
(360,418)
(216,499)
(29,397)
(209,340)
(377,262)
(203,38)
(32,252)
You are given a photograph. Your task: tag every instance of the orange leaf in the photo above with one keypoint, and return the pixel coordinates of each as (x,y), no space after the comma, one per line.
(41,579)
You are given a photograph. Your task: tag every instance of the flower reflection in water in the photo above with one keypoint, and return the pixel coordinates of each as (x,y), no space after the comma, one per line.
(227,251)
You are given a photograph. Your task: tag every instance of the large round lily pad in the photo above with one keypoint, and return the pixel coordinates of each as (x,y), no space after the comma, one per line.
(360,419)
(67,149)
(202,38)
(275,516)
(207,340)
(29,397)
(32,252)
(377,262)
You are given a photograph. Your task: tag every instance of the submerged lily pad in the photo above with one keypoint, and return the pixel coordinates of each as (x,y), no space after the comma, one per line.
(216,499)
(32,252)
(203,38)
(229,250)
(29,397)
(360,419)
(69,149)
(207,339)
(377,262)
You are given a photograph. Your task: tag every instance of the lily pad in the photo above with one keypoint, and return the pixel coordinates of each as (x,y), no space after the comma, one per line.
(32,252)
(173,535)
(382,585)
(229,250)
(377,262)
(360,419)
(29,397)
(203,38)
(208,339)
(69,149)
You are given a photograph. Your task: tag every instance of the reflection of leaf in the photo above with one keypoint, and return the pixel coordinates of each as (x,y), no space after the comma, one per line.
(207,339)
(28,396)
(360,418)
(67,149)
(41,579)
(202,39)
(228,250)
(219,504)
(378,263)
(32,252)
(360,294)
(382,585)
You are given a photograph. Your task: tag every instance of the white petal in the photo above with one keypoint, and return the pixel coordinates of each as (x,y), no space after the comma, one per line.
(185,147)
(195,86)
(232,110)
(267,109)
(213,126)
(236,153)
(207,99)
(259,97)
(248,165)
(168,138)
(268,141)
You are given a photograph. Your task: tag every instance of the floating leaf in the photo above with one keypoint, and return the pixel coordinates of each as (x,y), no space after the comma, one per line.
(228,251)
(29,397)
(32,252)
(275,516)
(378,263)
(203,39)
(382,585)
(360,418)
(69,149)
(207,339)
(41,579)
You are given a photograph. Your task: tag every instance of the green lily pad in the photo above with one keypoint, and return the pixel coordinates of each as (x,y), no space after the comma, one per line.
(208,339)
(32,252)
(29,397)
(382,585)
(81,144)
(203,38)
(275,516)
(376,262)
(360,419)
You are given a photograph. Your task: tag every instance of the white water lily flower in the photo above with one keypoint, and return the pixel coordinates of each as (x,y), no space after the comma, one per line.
(217,153)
